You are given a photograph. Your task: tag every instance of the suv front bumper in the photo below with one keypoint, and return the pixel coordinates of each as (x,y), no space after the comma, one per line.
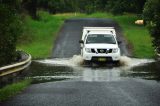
(101,56)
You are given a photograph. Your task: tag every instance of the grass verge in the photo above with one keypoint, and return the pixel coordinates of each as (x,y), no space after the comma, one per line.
(13,89)
(137,35)
(40,35)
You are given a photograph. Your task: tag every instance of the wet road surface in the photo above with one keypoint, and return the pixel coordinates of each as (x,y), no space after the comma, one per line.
(67,83)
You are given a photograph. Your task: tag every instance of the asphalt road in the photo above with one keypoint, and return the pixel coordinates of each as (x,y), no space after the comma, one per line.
(122,92)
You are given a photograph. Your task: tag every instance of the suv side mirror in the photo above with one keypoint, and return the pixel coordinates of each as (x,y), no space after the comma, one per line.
(81,41)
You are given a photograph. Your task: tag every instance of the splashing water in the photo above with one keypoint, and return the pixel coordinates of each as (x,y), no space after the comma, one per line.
(130,62)
(125,61)
(74,68)
(77,60)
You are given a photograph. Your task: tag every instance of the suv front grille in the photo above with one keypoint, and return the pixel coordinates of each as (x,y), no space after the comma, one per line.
(93,51)
(101,51)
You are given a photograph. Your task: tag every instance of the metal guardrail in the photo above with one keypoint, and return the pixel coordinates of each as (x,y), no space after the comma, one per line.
(17,67)
(157,50)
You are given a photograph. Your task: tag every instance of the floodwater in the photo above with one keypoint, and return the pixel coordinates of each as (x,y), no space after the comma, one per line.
(73,69)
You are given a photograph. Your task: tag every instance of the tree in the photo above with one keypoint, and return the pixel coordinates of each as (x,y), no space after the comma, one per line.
(121,6)
(9,30)
(151,14)
(84,6)
(31,7)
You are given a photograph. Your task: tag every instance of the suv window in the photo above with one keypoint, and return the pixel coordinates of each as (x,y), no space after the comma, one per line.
(100,38)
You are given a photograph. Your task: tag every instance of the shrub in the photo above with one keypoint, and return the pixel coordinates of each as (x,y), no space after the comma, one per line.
(120,6)
(151,14)
(9,30)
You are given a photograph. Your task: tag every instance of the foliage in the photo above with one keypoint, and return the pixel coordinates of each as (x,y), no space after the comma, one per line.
(11,90)
(135,35)
(31,7)
(121,6)
(40,34)
(151,15)
(61,6)
(84,6)
(9,30)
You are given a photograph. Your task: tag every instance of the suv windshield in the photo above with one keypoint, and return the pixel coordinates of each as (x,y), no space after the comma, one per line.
(100,38)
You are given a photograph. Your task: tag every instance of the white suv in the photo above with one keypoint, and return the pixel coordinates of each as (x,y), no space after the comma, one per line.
(99,44)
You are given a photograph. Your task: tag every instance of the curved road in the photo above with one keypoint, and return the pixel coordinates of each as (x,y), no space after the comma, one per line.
(123,92)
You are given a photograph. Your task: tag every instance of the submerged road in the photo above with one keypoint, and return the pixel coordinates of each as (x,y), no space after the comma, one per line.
(75,92)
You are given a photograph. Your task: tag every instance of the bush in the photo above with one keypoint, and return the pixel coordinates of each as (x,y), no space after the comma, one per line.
(31,7)
(9,30)
(120,6)
(151,14)
(61,6)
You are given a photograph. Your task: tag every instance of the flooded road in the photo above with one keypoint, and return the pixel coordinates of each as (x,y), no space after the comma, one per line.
(74,69)
(62,82)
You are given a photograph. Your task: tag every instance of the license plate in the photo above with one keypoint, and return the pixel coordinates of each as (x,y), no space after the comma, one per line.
(101,59)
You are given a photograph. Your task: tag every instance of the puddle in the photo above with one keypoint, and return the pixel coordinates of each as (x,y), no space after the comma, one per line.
(73,69)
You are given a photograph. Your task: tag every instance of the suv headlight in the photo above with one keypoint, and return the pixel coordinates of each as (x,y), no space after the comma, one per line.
(88,50)
(115,50)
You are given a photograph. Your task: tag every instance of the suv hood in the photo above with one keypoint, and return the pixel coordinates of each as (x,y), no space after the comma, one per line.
(101,46)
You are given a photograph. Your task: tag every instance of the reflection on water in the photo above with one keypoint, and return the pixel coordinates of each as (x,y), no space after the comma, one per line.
(100,74)
(40,72)
(150,71)
(66,69)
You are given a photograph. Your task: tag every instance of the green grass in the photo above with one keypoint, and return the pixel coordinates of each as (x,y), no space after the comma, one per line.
(40,35)
(13,89)
(138,36)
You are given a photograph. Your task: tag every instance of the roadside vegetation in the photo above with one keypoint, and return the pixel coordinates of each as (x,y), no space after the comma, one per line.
(10,29)
(138,37)
(38,36)
(13,89)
